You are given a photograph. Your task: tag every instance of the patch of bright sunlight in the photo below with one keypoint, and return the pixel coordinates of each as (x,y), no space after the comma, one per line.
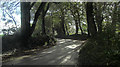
(78,50)
(61,39)
(22,57)
(68,39)
(60,57)
(30,50)
(48,51)
(64,40)
(72,46)
(74,40)
(70,52)
(66,59)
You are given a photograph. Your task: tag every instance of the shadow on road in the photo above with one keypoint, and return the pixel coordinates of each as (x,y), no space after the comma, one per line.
(64,53)
(74,37)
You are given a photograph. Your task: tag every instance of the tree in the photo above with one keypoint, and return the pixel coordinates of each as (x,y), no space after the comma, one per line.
(63,21)
(37,14)
(90,19)
(99,16)
(26,28)
(74,12)
(25,19)
(61,15)
(25,13)
(25,23)
(43,18)
(9,13)
(79,21)
(9,8)
(77,13)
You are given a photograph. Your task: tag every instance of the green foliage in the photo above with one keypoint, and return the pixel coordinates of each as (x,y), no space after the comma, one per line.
(104,49)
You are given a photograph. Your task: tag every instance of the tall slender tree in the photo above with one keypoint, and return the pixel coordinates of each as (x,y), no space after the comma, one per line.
(99,16)
(63,21)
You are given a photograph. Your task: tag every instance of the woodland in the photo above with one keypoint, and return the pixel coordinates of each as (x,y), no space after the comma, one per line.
(42,23)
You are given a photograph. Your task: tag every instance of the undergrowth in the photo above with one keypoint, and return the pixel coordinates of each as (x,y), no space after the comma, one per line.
(104,49)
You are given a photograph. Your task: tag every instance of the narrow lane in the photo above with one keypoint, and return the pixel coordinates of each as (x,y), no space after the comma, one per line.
(64,53)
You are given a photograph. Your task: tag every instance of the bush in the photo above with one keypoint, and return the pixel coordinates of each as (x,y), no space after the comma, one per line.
(41,40)
(104,49)
(10,42)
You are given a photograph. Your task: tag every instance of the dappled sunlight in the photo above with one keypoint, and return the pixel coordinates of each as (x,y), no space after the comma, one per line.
(64,53)
(74,40)
(31,50)
(60,40)
(72,46)
(66,59)
(70,52)
(63,40)
(38,33)
(78,50)
(48,51)
(22,57)
(60,57)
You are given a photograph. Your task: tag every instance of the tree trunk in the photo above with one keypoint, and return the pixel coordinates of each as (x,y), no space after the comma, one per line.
(53,30)
(76,24)
(25,22)
(81,28)
(43,19)
(63,22)
(43,23)
(40,8)
(90,19)
(63,27)
(79,22)
(75,19)
(99,17)
(26,30)
(66,29)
